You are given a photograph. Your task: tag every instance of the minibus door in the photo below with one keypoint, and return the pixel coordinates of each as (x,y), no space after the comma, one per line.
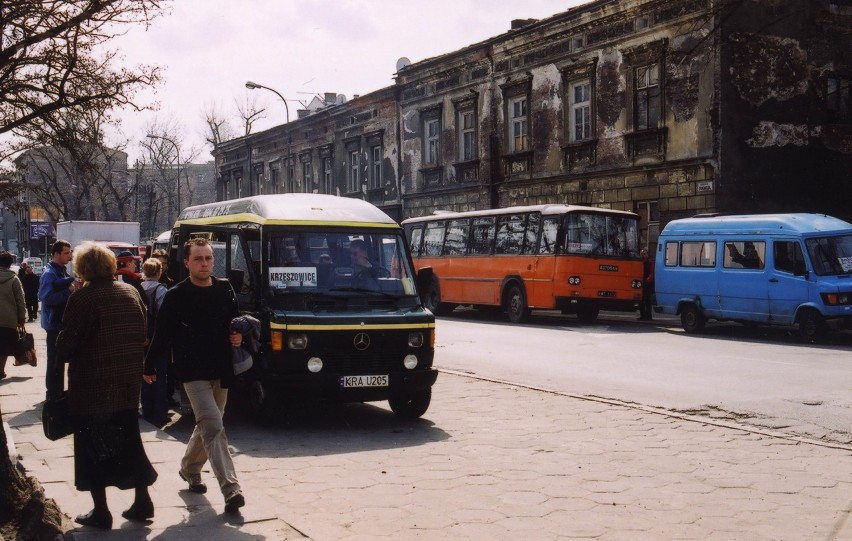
(743,286)
(788,281)
(232,259)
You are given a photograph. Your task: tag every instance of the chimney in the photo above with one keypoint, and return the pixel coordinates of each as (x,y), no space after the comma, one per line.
(520,23)
(330,97)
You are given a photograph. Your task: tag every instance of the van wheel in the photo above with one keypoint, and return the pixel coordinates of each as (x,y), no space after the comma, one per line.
(433,302)
(587,314)
(412,405)
(691,319)
(516,304)
(812,326)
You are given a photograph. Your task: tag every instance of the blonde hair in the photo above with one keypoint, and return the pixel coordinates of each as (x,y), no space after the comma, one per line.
(94,262)
(151,268)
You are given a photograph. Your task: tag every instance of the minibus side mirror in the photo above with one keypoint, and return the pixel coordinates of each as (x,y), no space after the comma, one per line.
(236,277)
(424,281)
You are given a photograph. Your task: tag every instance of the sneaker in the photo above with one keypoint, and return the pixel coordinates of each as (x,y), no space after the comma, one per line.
(195,483)
(234,501)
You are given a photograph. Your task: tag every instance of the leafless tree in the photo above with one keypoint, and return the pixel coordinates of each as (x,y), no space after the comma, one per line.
(168,159)
(249,112)
(218,127)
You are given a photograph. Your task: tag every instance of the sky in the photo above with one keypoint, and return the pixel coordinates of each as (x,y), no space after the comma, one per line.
(208,49)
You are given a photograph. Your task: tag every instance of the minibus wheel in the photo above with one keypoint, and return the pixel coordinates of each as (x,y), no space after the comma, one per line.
(411,405)
(691,318)
(516,304)
(433,302)
(812,326)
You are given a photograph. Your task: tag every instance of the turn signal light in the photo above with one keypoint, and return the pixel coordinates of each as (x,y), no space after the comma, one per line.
(277,339)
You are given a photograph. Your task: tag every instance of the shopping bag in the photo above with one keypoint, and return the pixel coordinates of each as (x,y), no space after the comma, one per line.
(25,349)
(56,418)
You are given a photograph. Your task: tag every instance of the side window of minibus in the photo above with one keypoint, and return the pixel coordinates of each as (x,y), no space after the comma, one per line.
(744,254)
(671,254)
(240,263)
(789,257)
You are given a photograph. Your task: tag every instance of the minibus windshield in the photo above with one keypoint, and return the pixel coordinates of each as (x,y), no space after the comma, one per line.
(601,234)
(831,255)
(315,270)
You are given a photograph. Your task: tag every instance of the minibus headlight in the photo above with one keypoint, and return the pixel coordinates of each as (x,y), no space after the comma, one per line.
(636,284)
(415,339)
(314,364)
(277,340)
(574,280)
(298,340)
(410,362)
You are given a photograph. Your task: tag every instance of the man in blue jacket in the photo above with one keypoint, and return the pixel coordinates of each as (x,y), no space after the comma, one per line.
(55,286)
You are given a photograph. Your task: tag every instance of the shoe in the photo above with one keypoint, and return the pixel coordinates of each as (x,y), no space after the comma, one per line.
(140,511)
(195,483)
(95,520)
(234,501)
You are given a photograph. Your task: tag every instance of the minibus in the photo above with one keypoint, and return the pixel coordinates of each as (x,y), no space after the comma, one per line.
(777,269)
(330,330)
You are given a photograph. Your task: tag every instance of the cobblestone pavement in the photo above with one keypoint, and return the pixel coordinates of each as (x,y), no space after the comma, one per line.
(489,461)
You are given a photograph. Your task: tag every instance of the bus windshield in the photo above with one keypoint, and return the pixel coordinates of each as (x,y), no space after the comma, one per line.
(831,255)
(317,270)
(601,234)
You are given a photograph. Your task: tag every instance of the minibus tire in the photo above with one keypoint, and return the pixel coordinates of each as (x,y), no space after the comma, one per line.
(691,318)
(516,304)
(812,327)
(433,302)
(411,405)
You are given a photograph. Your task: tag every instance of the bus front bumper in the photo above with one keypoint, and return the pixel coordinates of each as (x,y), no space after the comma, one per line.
(331,386)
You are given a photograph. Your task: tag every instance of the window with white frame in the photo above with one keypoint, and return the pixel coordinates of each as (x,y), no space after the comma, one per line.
(518,124)
(376,166)
(352,178)
(647,97)
(467,135)
(432,140)
(580,103)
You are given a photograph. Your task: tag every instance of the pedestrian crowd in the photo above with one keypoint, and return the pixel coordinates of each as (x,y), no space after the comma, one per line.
(127,340)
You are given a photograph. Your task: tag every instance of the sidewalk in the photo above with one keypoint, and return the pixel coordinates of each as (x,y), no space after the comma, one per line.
(489,461)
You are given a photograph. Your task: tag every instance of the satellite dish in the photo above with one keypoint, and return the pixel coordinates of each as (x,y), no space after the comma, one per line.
(402,62)
(340,99)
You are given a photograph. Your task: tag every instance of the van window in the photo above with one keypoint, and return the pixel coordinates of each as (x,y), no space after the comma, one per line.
(789,257)
(744,255)
(831,255)
(698,254)
(671,254)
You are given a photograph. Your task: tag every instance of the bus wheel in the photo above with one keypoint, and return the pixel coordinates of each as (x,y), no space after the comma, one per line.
(411,406)
(691,319)
(516,304)
(587,314)
(812,326)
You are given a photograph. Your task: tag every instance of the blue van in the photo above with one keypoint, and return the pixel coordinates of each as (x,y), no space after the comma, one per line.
(777,269)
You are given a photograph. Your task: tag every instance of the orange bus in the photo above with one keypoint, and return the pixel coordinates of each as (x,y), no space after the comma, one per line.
(572,258)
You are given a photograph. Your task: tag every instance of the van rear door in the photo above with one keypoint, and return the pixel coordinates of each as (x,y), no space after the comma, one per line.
(788,285)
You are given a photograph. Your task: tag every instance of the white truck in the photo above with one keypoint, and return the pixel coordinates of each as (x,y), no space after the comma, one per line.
(117,236)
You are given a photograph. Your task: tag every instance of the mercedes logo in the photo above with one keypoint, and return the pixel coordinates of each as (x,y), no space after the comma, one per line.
(361,341)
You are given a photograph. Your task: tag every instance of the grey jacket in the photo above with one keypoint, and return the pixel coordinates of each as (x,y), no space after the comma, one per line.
(13,309)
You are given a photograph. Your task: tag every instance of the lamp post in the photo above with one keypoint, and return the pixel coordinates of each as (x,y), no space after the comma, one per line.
(177,150)
(252,85)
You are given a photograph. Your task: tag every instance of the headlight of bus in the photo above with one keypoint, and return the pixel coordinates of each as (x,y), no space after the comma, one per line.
(415,339)
(410,361)
(574,280)
(636,284)
(298,340)
(314,364)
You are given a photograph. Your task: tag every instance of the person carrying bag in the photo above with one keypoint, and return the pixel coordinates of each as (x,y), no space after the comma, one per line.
(25,352)
(13,310)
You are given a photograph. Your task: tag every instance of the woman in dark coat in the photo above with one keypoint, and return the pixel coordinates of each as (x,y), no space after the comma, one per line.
(102,339)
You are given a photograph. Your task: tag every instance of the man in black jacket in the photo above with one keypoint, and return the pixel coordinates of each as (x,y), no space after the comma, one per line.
(30,283)
(194,324)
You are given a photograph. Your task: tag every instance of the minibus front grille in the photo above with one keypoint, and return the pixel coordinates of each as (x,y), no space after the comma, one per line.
(375,363)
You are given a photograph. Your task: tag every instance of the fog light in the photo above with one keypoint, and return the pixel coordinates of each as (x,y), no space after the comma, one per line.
(314,364)
(410,361)
(297,340)
(415,339)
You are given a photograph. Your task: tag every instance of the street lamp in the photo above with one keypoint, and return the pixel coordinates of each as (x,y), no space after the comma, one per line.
(177,149)
(252,85)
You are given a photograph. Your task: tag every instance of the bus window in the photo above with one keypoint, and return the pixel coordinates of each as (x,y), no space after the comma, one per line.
(531,237)
(510,234)
(415,238)
(433,240)
(549,234)
(240,261)
(698,254)
(789,257)
(455,241)
(482,236)
(599,234)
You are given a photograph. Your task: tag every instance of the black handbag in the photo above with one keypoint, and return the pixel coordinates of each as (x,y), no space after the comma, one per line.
(25,349)
(56,418)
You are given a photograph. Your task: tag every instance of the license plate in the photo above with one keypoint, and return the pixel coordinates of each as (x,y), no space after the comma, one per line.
(363,381)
